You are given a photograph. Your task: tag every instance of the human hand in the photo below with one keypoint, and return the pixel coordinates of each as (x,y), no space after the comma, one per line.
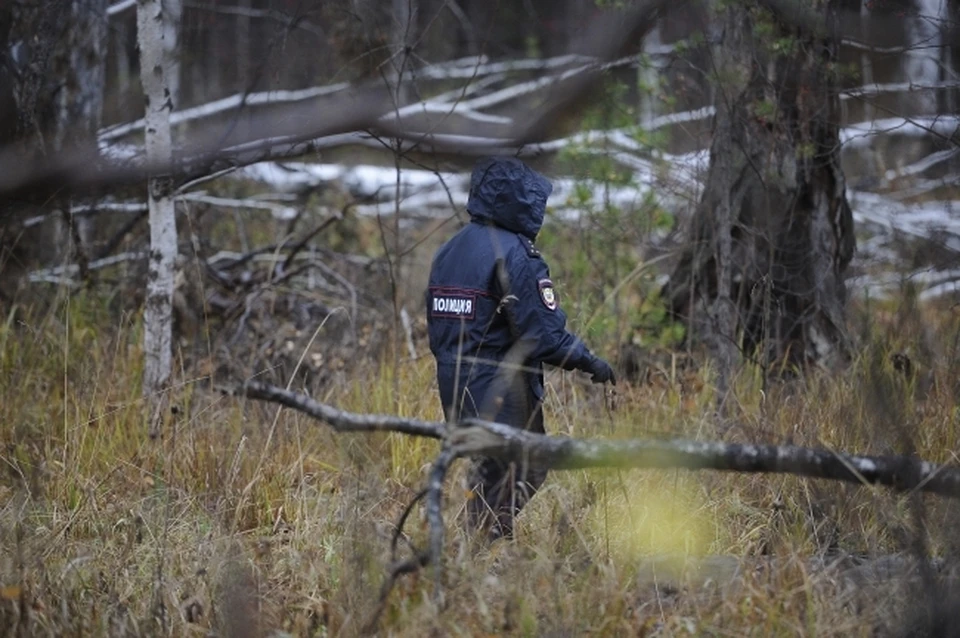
(601,371)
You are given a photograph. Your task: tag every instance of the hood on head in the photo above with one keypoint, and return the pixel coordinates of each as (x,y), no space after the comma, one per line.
(507,192)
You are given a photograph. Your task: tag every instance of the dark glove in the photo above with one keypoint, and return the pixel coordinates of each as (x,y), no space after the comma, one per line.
(601,371)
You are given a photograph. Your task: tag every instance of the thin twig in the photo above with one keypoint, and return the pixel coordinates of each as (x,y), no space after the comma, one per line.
(398,531)
(408,566)
(438,473)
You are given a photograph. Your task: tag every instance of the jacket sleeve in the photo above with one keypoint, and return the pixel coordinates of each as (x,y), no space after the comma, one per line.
(535,321)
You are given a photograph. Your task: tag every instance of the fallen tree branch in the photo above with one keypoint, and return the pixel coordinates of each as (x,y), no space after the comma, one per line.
(295,125)
(473,437)
(340,420)
(401,568)
(901,473)
(483,438)
(438,473)
(63,275)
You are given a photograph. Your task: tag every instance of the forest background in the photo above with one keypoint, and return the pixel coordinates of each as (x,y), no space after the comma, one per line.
(756,216)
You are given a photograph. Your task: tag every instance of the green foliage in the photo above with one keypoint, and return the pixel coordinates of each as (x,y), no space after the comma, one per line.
(769,35)
(850,72)
(654,327)
(765,109)
(596,262)
(806,150)
(693,41)
(785,45)
(532,46)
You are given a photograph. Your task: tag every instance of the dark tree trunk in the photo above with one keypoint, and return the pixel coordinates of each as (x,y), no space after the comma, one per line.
(763,272)
(57,50)
(950,55)
(59,53)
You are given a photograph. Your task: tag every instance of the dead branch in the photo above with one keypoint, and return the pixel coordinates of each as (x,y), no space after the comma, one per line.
(474,437)
(293,128)
(114,242)
(484,438)
(340,420)
(438,473)
(400,568)
(897,472)
(63,275)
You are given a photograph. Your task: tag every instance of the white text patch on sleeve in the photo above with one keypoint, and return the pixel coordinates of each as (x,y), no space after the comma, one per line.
(451,304)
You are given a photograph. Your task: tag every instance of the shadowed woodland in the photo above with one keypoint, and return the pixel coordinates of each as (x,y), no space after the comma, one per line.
(218,404)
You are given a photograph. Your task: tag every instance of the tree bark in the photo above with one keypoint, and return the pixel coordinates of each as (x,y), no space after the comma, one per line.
(950,56)
(404,36)
(244,76)
(80,106)
(55,72)
(172,14)
(58,50)
(158,315)
(777,263)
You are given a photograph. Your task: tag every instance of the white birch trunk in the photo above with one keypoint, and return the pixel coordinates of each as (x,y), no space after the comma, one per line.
(649,76)
(158,313)
(921,64)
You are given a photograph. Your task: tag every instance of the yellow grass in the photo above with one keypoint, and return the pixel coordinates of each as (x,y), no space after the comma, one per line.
(248,520)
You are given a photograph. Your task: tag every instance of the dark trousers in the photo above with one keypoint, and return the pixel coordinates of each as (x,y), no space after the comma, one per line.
(499,490)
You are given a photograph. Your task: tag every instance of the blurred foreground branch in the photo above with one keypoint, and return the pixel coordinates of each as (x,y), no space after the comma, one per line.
(295,127)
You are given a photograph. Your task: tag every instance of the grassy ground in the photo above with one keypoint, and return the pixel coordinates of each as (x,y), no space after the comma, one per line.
(247,520)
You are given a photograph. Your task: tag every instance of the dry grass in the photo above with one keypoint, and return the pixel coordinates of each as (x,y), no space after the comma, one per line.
(246,521)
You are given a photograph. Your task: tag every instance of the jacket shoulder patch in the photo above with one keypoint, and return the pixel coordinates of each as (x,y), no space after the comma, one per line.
(548,294)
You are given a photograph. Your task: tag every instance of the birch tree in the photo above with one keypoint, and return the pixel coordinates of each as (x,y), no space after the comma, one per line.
(158,313)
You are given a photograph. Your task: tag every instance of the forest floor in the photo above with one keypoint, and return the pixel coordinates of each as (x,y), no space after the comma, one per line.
(243,519)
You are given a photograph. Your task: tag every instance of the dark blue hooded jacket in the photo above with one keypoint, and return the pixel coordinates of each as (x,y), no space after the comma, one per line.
(490,299)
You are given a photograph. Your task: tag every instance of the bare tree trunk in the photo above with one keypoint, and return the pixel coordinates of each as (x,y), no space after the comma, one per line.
(866,59)
(158,315)
(120,34)
(243,47)
(56,68)
(8,101)
(950,55)
(172,14)
(777,263)
(649,76)
(404,34)
(81,99)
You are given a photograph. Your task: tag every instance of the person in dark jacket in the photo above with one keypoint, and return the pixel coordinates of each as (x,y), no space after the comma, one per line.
(494,319)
